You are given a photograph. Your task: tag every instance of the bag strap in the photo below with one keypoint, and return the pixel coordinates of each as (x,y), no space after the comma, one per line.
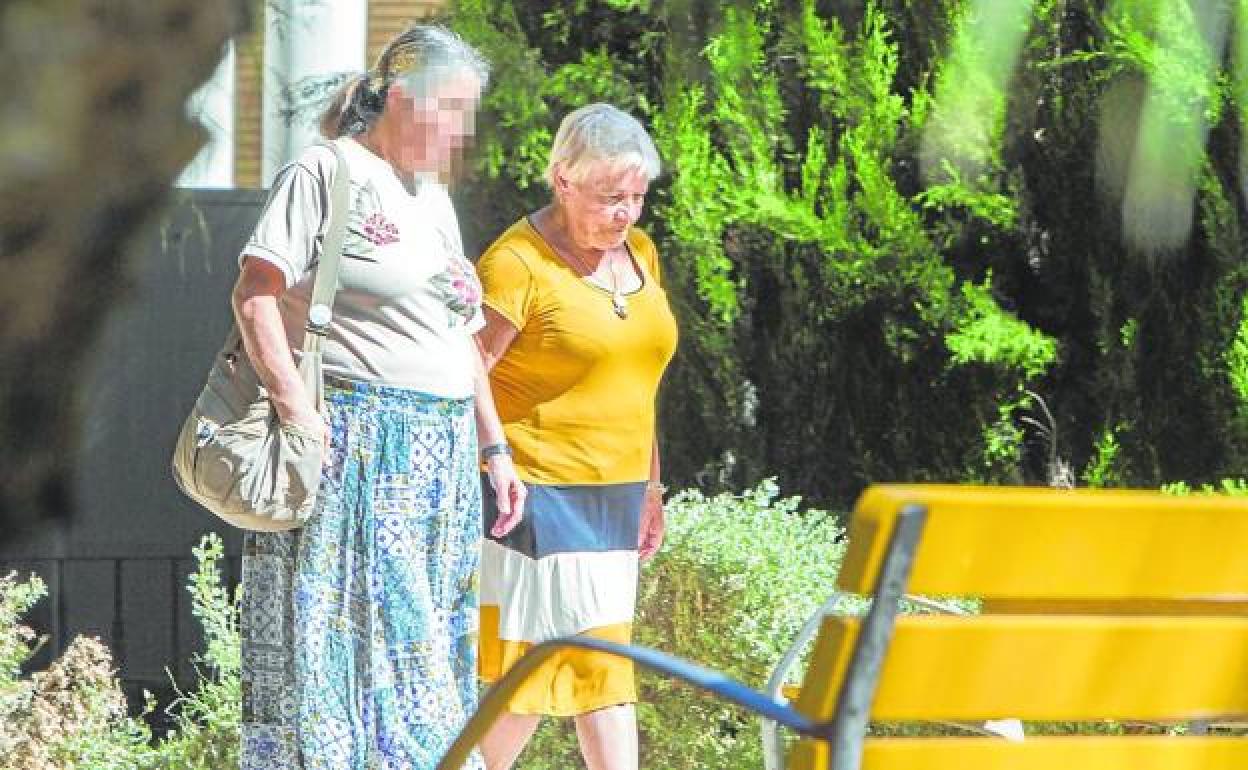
(325,284)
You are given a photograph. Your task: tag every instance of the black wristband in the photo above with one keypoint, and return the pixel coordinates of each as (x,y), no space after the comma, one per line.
(501,448)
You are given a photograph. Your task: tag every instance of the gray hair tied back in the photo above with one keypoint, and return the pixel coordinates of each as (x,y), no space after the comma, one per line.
(420,49)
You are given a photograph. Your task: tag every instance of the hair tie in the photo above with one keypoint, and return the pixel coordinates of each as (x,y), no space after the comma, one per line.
(373,95)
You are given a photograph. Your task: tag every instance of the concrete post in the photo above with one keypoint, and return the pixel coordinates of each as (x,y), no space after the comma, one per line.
(309,46)
(212,106)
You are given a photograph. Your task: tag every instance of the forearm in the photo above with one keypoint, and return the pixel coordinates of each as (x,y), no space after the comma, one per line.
(489,427)
(650,536)
(264,337)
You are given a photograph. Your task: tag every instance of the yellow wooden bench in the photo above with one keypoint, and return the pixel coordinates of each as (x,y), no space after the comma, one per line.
(1099,605)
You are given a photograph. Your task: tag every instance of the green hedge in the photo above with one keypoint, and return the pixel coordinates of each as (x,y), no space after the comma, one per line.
(842,320)
(884,219)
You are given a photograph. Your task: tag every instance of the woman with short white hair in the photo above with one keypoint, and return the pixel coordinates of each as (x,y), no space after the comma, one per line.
(578,334)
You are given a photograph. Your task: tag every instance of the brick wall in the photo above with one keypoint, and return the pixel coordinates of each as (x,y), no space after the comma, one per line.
(387,18)
(248,107)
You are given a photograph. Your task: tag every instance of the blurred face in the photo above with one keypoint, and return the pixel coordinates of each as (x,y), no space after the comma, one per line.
(601,209)
(430,120)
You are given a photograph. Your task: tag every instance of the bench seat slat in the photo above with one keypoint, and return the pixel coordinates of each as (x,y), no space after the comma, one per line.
(1119,607)
(1045,753)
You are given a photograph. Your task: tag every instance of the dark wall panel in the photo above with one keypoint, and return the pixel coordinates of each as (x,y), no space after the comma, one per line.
(117,569)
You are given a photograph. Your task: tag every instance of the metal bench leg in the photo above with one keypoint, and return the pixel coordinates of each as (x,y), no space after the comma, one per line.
(773,745)
(848,729)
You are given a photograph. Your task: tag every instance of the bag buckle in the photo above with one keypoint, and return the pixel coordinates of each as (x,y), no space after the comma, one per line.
(318,319)
(205,430)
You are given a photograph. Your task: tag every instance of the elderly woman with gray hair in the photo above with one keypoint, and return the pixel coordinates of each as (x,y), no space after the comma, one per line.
(578,333)
(359,630)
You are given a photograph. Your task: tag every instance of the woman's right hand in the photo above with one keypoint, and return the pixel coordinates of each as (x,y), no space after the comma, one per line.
(260,322)
(298,411)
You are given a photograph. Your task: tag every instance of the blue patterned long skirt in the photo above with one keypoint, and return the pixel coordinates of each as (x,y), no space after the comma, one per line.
(359,630)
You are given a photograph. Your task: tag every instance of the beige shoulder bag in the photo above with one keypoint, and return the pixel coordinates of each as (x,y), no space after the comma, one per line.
(233,456)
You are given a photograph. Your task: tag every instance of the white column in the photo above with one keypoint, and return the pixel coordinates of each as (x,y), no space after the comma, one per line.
(308,45)
(212,106)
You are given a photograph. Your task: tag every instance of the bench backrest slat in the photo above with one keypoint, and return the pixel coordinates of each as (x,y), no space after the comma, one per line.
(1043,668)
(1037,543)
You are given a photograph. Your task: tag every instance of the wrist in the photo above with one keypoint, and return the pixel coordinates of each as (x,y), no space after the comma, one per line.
(654,487)
(290,405)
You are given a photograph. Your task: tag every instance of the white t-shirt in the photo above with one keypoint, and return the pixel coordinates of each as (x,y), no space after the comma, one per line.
(408,300)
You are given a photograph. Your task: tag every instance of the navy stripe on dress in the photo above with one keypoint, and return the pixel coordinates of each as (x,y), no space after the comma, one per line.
(571,518)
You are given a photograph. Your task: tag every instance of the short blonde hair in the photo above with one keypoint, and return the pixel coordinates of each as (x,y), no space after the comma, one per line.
(599,133)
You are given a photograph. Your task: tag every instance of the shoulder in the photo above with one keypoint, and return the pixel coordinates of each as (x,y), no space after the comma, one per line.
(638,239)
(644,249)
(306,177)
(317,160)
(519,248)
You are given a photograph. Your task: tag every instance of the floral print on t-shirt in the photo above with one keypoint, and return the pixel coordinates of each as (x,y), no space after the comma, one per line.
(368,229)
(458,284)
(367,226)
(380,231)
(461,291)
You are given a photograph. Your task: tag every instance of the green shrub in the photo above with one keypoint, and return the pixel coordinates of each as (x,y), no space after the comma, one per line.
(70,716)
(1229,487)
(1102,469)
(882,219)
(73,716)
(17,642)
(206,732)
(737,577)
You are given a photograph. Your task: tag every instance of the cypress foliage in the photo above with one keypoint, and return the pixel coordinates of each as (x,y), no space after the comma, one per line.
(887,223)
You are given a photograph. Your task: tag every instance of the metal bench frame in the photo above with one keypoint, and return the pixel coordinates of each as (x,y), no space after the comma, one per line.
(846,731)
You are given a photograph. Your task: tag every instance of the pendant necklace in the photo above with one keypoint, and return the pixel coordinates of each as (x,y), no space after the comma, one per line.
(617,298)
(619,302)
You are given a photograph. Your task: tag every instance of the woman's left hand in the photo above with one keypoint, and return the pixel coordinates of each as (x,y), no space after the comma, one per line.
(509,492)
(650,538)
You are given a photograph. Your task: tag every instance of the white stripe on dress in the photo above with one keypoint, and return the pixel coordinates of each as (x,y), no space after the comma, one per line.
(557,595)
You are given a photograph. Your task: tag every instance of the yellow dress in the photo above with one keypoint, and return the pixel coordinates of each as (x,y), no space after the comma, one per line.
(576,395)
